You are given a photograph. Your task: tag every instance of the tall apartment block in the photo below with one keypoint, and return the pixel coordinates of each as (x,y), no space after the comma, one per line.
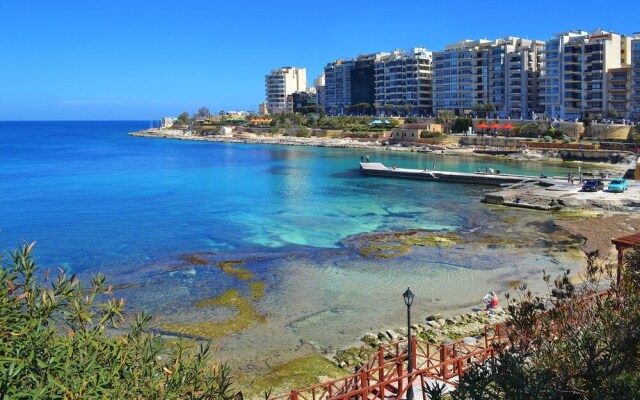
(403,82)
(280,84)
(619,92)
(576,73)
(502,72)
(337,86)
(635,77)
(349,82)
(319,84)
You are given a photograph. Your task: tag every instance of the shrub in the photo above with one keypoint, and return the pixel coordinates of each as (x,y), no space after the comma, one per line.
(461,124)
(303,132)
(548,139)
(53,344)
(584,346)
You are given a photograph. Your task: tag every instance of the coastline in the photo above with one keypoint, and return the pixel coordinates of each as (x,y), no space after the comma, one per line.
(379,144)
(310,347)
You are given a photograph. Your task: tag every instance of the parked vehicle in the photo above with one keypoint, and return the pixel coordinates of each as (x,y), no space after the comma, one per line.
(593,185)
(618,185)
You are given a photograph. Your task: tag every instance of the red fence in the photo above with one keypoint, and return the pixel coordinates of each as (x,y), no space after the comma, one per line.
(384,375)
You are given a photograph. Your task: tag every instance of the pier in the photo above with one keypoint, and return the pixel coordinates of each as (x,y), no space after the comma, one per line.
(521,191)
(478,178)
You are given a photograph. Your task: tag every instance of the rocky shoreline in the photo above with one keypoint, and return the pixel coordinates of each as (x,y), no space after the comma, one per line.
(452,149)
(437,329)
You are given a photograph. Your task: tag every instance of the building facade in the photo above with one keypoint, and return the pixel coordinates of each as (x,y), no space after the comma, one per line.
(635,78)
(619,93)
(280,84)
(403,83)
(503,72)
(337,86)
(575,73)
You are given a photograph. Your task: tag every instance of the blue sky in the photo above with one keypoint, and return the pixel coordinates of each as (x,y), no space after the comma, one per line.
(142,59)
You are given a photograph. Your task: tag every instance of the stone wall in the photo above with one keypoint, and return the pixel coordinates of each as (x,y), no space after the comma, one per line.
(608,132)
(490,141)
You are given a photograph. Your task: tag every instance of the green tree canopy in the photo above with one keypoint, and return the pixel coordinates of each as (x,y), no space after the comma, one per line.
(184,117)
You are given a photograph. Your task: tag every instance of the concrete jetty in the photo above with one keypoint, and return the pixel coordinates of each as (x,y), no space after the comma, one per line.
(522,191)
(478,178)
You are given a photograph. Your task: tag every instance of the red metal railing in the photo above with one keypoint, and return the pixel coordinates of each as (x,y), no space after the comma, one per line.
(384,374)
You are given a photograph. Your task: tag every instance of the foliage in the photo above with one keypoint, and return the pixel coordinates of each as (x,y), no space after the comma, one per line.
(303,132)
(184,117)
(55,344)
(462,124)
(430,135)
(583,345)
(203,112)
(446,116)
(484,109)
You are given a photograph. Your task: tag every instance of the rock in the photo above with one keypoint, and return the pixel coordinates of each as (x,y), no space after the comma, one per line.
(342,364)
(469,340)
(434,317)
(449,321)
(433,324)
(323,379)
(383,337)
(402,331)
(441,321)
(370,338)
(448,341)
(392,335)
(456,318)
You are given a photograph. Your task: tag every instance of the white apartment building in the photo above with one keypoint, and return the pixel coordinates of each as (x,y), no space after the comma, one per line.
(403,82)
(502,72)
(319,85)
(280,84)
(575,78)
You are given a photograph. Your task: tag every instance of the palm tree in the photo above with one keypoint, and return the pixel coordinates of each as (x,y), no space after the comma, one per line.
(446,116)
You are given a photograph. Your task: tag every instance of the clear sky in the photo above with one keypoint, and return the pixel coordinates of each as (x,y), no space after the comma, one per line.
(142,59)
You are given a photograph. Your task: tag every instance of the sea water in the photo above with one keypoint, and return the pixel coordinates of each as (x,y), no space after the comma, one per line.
(98,200)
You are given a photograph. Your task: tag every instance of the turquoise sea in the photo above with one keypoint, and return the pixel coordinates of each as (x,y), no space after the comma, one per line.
(96,199)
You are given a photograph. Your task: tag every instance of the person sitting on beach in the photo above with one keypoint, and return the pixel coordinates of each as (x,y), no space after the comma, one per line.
(491,299)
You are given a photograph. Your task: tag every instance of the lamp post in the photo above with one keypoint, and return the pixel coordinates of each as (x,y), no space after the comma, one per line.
(408,301)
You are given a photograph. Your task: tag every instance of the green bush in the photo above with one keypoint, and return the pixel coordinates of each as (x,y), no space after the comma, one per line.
(584,346)
(54,344)
(548,139)
(461,125)
(303,132)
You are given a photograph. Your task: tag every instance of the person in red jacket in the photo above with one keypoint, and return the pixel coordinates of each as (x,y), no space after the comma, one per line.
(492,301)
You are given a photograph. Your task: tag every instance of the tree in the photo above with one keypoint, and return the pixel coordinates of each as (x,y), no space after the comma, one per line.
(582,346)
(484,109)
(461,124)
(54,344)
(203,112)
(184,117)
(446,116)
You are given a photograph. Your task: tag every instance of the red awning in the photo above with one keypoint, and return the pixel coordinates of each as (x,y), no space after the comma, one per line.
(508,126)
(495,126)
(482,125)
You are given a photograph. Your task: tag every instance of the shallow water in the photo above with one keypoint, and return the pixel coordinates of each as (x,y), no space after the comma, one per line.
(96,199)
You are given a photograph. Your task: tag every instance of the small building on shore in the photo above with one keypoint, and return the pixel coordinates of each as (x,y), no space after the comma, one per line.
(167,122)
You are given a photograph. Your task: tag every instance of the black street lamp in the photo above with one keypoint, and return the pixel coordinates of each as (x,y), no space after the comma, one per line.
(408,301)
